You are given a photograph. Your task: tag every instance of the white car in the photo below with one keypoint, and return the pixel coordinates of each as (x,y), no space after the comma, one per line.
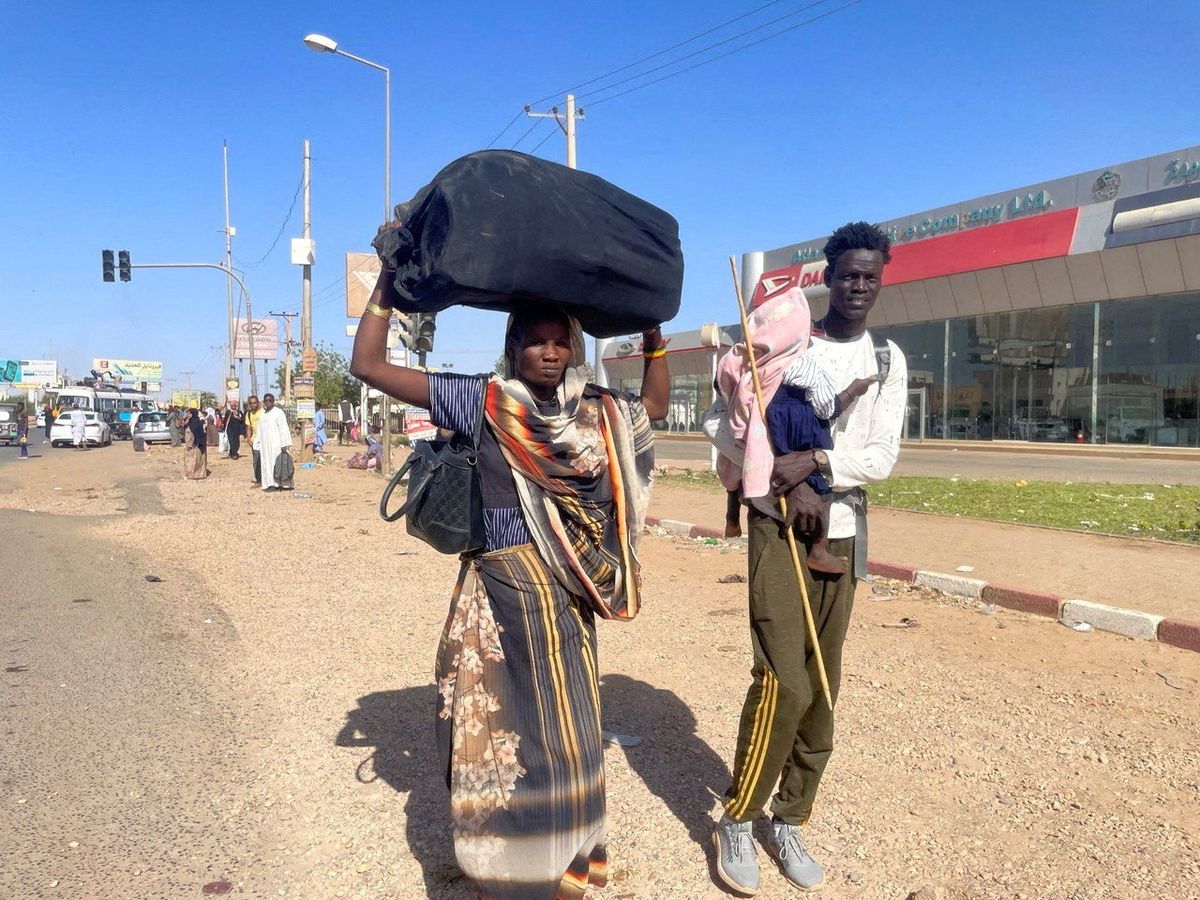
(152,427)
(96,432)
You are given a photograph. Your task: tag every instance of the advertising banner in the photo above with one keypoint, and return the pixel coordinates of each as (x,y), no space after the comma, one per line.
(362,271)
(131,370)
(10,370)
(417,425)
(266,339)
(185,397)
(38,372)
(305,388)
(306,409)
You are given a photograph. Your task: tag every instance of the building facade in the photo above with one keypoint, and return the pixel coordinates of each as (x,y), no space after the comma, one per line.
(1066,311)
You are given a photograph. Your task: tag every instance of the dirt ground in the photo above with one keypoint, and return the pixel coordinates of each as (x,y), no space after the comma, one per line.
(286,746)
(1151,576)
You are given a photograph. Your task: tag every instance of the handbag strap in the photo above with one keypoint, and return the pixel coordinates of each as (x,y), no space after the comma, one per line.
(387,492)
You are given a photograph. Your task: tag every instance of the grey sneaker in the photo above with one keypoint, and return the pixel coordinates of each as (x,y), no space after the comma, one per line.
(737,858)
(789,851)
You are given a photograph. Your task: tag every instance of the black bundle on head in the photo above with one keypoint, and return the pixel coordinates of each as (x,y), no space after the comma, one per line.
(857,236)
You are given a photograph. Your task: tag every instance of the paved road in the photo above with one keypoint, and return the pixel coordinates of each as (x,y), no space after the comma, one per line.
(1000,464)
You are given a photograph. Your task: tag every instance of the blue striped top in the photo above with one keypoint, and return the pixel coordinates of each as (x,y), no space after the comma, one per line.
(455,403)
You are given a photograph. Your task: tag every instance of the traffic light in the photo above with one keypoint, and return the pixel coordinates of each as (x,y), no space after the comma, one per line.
(423,342)
(405,327)
(107,258)
(123,264)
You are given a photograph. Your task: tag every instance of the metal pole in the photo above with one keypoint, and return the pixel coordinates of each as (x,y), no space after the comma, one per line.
(306,271)
(571,131)
(387,217)
(1095,369)
(228,255)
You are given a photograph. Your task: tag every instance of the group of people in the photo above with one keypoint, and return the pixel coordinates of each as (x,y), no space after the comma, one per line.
(564,468)
(264,426)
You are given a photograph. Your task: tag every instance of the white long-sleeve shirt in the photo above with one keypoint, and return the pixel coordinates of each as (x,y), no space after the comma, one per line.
(866,437)
(807,372)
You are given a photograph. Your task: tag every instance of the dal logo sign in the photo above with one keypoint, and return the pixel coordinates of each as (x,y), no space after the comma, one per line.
(810,278)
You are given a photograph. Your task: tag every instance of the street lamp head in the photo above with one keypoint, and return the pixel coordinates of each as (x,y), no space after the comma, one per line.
(320,43)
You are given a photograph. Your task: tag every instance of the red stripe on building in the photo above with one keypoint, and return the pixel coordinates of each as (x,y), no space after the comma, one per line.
(984,247)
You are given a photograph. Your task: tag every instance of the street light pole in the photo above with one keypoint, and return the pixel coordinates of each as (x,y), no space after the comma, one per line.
(323,44)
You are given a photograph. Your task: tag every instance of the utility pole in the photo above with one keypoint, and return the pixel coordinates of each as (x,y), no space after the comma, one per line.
(229,233)
(306,270)
(188,376)
(565,122)
(288,344)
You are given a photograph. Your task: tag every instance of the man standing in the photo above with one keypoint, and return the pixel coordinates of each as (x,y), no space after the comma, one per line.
(48,420)
(78,428)
(786,729)
(272,438)
(253,415)
(235,425)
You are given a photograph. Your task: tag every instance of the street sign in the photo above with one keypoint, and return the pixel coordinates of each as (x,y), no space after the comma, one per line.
(308,360)
(304,387)
(306,409)
(232,384)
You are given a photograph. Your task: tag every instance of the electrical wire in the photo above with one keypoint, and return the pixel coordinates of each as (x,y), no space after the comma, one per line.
(510,124)
(659,53)
(705,49)
(288,218)
(549,134)
(536,123)
(705,62)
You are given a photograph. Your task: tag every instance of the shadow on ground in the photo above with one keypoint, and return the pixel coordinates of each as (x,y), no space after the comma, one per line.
(398,725)
(674,762)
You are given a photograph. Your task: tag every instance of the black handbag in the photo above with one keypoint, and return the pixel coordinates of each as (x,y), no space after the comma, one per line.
(444,506)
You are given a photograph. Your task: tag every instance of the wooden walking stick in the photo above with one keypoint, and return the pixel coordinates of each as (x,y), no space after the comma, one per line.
(791,538)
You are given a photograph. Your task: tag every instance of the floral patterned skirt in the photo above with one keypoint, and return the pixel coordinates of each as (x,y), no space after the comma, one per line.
(519,730)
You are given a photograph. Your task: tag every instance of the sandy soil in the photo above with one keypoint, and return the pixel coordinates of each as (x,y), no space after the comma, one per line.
(1154,577)
(979,755)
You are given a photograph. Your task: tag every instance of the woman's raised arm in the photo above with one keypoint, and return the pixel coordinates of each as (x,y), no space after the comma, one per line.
(656,380)
(369,362)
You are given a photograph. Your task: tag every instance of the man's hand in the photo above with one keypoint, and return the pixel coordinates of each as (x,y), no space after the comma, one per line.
(859,386)
(790,471)
(803,510)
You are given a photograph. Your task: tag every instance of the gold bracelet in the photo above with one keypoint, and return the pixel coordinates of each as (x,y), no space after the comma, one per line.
(657,353)
(383,312)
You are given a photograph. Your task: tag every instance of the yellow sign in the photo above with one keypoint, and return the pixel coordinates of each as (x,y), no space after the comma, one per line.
(232,384)
(308,361)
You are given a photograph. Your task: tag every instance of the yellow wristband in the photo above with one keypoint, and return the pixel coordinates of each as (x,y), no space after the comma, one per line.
(657,353)
(377,310)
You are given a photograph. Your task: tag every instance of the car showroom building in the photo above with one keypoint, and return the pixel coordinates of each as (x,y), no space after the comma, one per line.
(1066,311)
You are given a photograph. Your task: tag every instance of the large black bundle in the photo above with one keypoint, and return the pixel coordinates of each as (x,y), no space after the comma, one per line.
(498,229)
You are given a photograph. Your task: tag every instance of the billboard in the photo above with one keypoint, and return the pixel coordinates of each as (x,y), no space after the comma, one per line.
(362,271)
(131,370)
(266,339)
(27,373)
(185,397)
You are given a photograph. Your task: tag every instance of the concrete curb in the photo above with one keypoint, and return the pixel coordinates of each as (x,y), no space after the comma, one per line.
(1131,623)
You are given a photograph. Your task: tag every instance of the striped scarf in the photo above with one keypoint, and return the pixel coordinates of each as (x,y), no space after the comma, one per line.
(583,476)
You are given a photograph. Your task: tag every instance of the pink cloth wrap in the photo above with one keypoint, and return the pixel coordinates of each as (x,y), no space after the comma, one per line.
(780,328)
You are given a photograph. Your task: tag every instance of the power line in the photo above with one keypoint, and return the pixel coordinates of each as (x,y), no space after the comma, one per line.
(537,123)
(682,43)
(549,134)
(705,49)
(492,142)
(287,218)
(705,62)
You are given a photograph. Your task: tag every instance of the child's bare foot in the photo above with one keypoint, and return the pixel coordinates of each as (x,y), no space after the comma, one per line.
(821,560)
(733,529)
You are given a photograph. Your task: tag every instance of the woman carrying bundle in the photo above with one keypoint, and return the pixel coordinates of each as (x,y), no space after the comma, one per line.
(565,469)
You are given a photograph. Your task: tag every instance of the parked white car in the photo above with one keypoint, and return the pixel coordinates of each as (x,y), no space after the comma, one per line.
(152,427)
(96,432)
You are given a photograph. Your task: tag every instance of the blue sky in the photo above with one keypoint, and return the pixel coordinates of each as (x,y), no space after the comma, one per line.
(114,116)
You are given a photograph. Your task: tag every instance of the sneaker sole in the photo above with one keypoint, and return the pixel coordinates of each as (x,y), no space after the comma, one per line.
(726,879)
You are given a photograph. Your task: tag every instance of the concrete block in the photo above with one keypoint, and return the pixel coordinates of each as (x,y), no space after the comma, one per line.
(703,531)
(683,528)
(1020,599)
(1180,633)
(951,584)
(891,570)
(1127,622)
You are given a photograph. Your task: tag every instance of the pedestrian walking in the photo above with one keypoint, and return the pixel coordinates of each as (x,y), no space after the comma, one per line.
(195,442)
(23,430)
(785,736)
(78,428)
(320,438)
(253,415)
(565,477)
(272,439)
(235,427)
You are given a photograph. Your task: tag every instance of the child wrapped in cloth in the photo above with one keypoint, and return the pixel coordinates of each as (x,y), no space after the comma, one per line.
(801,403)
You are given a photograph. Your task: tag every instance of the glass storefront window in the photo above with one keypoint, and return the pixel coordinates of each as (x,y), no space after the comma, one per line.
(1149,361)
(924,346)
(691,395)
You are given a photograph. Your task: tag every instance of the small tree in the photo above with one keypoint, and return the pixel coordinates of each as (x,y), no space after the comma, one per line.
(332,382)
